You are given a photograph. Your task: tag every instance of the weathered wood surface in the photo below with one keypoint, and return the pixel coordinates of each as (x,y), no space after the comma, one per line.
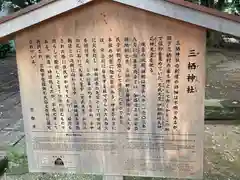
(217,159)
(184,11)
(111,20)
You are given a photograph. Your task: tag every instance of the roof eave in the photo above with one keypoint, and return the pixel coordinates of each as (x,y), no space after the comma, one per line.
(53,8)
(199,16)
(187,14)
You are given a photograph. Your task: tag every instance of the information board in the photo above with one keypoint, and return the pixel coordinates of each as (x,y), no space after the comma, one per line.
(113,95)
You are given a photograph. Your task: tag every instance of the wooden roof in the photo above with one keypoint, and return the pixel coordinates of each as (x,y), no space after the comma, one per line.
(204,9)
(177,9)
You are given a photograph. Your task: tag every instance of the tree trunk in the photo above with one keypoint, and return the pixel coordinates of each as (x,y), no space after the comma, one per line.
(207,3)
(220,5)
(214,39)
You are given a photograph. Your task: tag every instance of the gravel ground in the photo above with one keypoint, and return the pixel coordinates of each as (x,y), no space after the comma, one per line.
(223,74)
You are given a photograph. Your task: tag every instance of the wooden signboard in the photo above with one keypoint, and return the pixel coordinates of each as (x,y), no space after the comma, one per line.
(110,89)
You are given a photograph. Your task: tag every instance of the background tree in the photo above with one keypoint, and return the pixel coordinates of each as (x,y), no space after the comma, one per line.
(229,6)
(18,4)
(215,38)
(7,7)
(24,3)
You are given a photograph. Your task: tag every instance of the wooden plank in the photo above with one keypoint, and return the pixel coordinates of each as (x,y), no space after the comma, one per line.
(183,11)
(50,53)
(186,14)
(41,13)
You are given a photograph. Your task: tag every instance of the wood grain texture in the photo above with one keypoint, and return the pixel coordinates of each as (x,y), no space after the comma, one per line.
(178,2)
(104,20)
(177,9)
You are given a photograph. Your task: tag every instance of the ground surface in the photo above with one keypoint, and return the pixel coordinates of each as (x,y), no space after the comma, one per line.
(221,144)
(223,74)
(11,128)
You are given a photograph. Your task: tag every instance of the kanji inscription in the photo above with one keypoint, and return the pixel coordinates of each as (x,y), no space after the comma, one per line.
(113,95)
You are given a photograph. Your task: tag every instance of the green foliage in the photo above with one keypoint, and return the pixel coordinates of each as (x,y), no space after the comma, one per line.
(1,2)
(24,3)
(19,4)
(18,163)
(214,39)
(233,7)
(229,6)
(4,49)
